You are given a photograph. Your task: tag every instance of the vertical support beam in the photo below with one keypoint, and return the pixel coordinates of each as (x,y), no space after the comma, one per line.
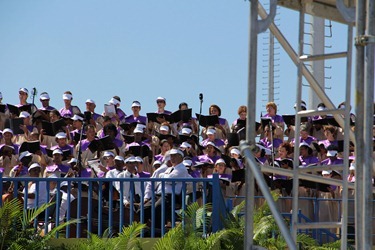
(368,126)
(345,192)
(298,121)
(359,104)
(318,65)
(250,121)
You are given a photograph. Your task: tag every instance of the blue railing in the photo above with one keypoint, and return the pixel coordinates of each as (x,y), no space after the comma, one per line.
(98,206)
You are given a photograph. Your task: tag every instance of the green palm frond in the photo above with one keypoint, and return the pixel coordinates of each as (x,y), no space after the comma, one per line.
(305,241)
(31,214)
(128,238)
(173,239)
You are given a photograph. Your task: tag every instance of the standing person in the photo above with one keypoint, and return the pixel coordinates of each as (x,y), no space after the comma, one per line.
(23,94)
(222,129)
(96,119)
(44,99)
(277,120)
(136,117)
(120,115)
(242,113)
(68,110)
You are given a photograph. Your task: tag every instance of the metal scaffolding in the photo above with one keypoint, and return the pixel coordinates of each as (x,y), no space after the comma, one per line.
(362,15)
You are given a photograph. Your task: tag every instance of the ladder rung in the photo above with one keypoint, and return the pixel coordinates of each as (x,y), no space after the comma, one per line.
(318,225)
(320,168)
(322,112)
(323,56)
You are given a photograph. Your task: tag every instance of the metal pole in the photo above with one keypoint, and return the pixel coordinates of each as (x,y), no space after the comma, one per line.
(344,218)
(359,105)
(250,121)
(250,163)
(298,123)
(368,126)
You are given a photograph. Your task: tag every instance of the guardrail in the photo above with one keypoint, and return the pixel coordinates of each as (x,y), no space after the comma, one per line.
(98,205)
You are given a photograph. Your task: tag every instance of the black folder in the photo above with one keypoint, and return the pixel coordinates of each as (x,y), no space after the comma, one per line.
(31,146)
(53,128)
(77,137)
(141,151)
(14,124)
(3,107)
(101,144)
(290,120)
(17,110)
(207,120)
(153,117)
(238,175)
(127,126)
(181,115)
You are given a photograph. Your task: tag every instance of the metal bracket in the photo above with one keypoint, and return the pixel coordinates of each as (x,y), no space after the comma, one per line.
(347,13)
(364,40)
(263,24)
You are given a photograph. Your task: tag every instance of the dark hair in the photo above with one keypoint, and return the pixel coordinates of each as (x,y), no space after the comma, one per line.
(110,127)
(287,146)
(182,104)
(117,98)
(214,106)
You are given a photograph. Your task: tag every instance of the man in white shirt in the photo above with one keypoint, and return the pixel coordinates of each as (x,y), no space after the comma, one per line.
(130,189)
(114,173)
(176,170)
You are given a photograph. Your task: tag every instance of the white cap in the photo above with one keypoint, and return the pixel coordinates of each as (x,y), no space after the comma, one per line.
(161,99)
(321,108)
(24,90)
(331,152)
(185,145)
(77,118)
(137,130)
(187,163)
(108,153)
(174,151)
(156,163)
(186,131)
(73,160)
(220,161)
(235,151)
(114,101)
(352,166)
(211,131)
(136,104)
(60,135)
(57,151)
(304,144)
(67,97)
(44,96)
(90,101)
(25,154)
(210,143)
(131,159)
(119,158)
(342,106)
(24,114)
(164,128)
(324,172)
(34,165)
(138,159)
(8,130)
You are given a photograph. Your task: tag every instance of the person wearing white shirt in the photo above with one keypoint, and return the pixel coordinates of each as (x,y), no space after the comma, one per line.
(33,190)
(114,173)
(130,172)
(176,170)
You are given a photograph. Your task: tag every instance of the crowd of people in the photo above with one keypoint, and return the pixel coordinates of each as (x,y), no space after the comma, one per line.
(75,142)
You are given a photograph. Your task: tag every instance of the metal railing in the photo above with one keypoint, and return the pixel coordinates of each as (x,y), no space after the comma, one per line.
(97,203)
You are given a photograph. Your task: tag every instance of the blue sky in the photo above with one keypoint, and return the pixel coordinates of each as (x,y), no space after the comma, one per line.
(140,50)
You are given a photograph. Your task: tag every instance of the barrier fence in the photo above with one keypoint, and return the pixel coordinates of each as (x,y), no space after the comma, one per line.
(98,204)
